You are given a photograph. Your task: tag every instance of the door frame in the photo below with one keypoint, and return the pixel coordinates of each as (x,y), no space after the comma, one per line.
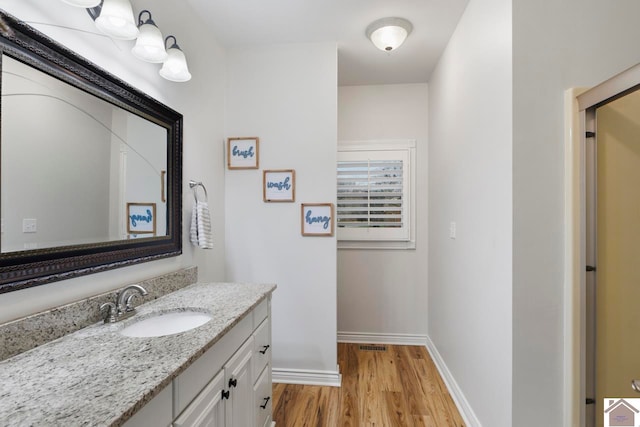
(578,103)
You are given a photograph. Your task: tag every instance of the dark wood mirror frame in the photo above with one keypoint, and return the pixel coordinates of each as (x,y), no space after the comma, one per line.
(19,270)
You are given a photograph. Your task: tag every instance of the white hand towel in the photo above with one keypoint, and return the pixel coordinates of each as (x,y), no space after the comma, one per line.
(200,231)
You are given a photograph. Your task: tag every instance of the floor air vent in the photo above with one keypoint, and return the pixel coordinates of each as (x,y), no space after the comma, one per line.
(373,347)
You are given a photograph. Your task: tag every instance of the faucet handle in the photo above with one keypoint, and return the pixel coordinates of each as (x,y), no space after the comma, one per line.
(111,312)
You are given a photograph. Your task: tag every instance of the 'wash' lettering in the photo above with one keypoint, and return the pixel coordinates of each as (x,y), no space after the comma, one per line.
(282,185)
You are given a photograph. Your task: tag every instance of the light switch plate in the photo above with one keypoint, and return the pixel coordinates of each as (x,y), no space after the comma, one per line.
(29,225)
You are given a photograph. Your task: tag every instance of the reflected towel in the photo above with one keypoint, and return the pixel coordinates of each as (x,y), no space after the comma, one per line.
(200,231)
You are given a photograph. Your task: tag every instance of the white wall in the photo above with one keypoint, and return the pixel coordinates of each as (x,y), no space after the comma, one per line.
(556,45)
(200,101)
(470,172)
(287,96)
(385,291)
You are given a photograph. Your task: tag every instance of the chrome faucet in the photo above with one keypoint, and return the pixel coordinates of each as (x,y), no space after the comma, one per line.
(123,307)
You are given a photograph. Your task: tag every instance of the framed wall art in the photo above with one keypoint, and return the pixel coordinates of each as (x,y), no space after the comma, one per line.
(243,153)
(317,219)
(141,218)
(279,185)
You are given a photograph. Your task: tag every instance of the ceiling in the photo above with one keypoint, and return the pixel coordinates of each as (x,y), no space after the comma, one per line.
(254,22)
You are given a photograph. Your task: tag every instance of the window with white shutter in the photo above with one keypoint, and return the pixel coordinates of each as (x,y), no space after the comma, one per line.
(374,194)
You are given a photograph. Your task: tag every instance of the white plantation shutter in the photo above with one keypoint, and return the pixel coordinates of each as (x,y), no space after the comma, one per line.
(373,201)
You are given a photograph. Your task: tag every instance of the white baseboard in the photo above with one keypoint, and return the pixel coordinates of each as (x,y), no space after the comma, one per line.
(373,338)
(469,417)
(306,377)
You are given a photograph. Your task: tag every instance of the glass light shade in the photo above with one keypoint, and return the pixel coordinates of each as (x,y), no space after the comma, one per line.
(150,44)
(82,3)
(175,66)
(389,33)
(116,20)
(388,38)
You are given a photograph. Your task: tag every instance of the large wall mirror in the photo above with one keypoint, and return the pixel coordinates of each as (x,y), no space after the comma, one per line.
(90,168)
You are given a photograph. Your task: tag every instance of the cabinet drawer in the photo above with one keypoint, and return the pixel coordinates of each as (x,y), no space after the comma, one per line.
(260,312)
(207,409)
(262,396)
(262,347)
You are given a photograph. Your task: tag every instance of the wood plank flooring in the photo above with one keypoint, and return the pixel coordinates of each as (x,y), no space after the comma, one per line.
(397,387)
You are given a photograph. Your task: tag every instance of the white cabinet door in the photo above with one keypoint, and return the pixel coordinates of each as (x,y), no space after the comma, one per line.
(208,409)
(239,382)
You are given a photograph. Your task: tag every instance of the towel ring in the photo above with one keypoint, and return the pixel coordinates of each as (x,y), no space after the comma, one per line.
(194,185)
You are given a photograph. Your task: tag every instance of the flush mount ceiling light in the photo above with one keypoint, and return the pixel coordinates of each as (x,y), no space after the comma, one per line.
(116,20)
(389,33)
(175,66)
(150,44)
(83,3)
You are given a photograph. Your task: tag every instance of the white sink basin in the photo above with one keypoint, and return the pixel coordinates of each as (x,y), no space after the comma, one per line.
(166,324)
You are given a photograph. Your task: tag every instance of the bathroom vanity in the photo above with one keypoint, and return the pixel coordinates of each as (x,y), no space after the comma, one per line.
(217,374)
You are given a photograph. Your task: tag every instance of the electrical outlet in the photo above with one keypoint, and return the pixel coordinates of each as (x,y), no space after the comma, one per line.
(452,230)
(29,225)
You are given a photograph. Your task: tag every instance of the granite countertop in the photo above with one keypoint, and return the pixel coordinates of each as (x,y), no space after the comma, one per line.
(96,376)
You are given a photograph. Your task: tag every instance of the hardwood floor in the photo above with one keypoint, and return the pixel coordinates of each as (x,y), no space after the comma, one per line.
(397,387)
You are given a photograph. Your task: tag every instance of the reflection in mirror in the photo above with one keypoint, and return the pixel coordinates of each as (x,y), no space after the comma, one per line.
(71,163)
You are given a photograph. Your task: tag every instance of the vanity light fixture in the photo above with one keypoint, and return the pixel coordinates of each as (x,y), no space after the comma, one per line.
(116,20)
(83,3)
(175,66)
(150,44)
(389,33)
